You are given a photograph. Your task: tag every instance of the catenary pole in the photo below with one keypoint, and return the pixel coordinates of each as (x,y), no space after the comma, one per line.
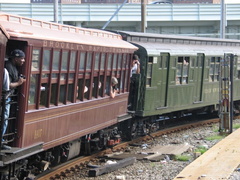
(143,16)
(56,11)
(223,20)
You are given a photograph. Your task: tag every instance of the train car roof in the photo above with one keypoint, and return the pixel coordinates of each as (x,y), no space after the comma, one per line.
(174,44)
(20,27)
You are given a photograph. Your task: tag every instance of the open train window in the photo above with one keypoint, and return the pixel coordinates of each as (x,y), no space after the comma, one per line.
(54,71)
(182,70)
(71,76)
(55,75)
(34,78)
(45,75)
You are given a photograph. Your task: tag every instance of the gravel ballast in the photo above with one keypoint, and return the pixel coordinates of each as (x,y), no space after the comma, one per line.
(166,169)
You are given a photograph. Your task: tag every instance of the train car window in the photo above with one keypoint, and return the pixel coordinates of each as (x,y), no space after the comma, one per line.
(89,61)
(70,92)
(109,62)
(82,61)
(149,71)
(56,57)
(208,62)
(101,86)
(33,90)
(44,88)
(182,70)
(44,94)
(54,90)
(165,62)
(62,93)
(72,65)
(97,60)
(160,62)
(64,61)
(192,63)
(63,77)
(126,72)
(119,61)
(122,84)
(216,72)
(46,60)
(200,64)
(108,84)
(72,61)
(80,90)
(185,70)
(214,69)
(55,73)
(97,87)
(35,60)
(211,69)
(86,89)
(34,78)
(179,73)
(115,61)
(103,58)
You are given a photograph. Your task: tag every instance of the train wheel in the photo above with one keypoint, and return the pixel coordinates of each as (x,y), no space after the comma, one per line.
(153,127)
(133,131)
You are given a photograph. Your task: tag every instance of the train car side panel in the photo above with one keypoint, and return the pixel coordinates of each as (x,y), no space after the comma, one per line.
(57,126)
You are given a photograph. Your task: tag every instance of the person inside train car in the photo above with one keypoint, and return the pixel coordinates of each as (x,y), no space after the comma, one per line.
(5,89)
(17,58)
(112,90)
(135,69)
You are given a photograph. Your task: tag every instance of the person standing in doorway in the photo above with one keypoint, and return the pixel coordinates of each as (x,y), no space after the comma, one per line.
(135,69)
(17,58)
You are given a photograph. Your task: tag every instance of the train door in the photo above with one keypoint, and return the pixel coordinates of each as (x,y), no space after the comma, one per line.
(163,78)
(198,78)
(3,41)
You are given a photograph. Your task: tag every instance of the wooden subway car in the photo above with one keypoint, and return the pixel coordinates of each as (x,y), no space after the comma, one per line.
(179,75)
(67,71)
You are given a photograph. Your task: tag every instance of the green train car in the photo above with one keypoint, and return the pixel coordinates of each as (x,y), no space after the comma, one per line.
(178,75)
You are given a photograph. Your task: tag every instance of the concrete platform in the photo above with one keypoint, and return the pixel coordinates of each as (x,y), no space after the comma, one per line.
(217,163)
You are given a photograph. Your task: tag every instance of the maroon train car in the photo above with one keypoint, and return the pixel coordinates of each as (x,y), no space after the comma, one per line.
(62,61)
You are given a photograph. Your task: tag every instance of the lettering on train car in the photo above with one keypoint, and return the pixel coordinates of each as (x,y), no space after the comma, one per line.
(213,90)
(38,133)
(71,46)
(207,91)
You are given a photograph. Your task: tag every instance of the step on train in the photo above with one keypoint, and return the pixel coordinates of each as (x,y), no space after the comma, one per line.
(62,109)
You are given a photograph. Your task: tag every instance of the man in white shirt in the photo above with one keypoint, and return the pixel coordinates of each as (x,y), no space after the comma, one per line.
(135,65)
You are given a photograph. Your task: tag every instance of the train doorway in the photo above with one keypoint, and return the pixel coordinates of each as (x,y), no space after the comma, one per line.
(198,80)
(163,77)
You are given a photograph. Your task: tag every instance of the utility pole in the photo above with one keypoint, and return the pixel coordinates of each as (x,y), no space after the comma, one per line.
(143,16)
(223,20)
(56,11)
(226,93)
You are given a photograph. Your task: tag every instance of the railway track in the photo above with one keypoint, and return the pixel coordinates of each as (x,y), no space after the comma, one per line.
(70,166)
